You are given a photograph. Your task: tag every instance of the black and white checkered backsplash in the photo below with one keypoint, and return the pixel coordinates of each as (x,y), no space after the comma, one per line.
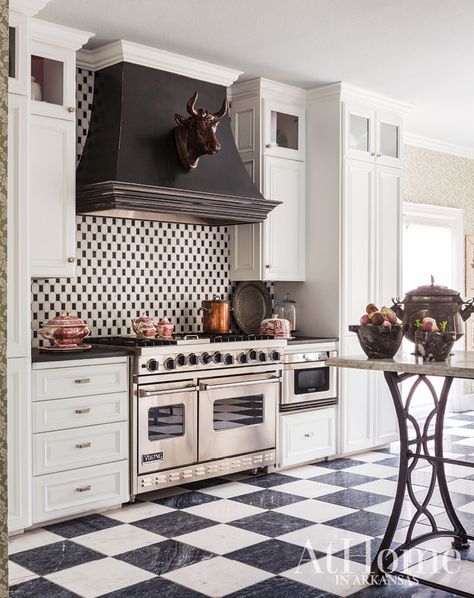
(128,267)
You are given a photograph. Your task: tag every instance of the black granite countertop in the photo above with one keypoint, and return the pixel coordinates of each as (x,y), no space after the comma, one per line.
(304,340)
(96,352)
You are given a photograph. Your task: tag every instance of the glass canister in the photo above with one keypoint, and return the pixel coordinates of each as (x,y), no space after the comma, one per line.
(286,309)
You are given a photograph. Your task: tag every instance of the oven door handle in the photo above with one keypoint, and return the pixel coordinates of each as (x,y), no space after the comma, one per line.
(171,391)
(271,380)
(306,365)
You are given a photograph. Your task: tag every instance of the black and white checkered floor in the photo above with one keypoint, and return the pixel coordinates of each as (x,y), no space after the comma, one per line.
(247,536)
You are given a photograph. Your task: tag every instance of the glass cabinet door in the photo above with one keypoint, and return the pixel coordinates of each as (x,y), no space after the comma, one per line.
(389,143)
(359,132)
(284,131)
(17,54)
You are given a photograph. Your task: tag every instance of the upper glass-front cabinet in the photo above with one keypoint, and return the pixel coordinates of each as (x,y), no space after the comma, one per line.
(389,138)
(283,131)
(17,54)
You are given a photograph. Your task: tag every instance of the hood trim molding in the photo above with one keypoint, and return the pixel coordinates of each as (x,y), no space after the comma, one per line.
(132,200)
(125,51)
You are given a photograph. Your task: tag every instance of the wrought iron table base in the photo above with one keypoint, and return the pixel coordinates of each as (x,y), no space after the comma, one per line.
(411,451)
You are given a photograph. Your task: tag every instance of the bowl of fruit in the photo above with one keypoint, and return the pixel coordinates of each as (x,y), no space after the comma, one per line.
(433,341)
(380,332)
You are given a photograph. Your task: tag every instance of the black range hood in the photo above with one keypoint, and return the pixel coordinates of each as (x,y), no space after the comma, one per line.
(130,166)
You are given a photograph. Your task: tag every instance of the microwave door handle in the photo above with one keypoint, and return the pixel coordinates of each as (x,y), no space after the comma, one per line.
(272,380)
(171,391)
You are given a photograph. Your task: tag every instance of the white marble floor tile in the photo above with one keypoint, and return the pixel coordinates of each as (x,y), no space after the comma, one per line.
(18,574)
(118,539)
(32,539)
(462,486)
(467,508)
(137,511)
(307,471)
(223,510)
(371,456)
(374,470)
(408,509)
(324,538)
(316,511)
(307,488)
(99,577)
(221,538)
(217,577)
(230,490)
(445,570)
(461,431)
(331,574)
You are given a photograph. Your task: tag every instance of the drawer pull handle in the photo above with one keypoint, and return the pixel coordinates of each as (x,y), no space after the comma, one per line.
(82,381)
(82,411)
(309,435)
(84,488)
(84,445)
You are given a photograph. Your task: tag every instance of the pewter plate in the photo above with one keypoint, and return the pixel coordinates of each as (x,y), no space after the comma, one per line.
(251,303)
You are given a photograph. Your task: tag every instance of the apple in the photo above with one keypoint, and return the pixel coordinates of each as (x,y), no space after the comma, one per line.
(429,325)
(364,320)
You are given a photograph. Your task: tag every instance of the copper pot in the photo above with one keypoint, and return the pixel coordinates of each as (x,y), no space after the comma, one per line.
(216,315)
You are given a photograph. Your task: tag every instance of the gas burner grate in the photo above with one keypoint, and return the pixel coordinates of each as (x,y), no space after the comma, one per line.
(130,341)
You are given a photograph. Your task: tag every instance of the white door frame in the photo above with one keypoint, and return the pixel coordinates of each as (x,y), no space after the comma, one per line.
(454,217)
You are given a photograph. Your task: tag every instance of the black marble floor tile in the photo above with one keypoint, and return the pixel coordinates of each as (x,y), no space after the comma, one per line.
(362,522)
(155,588)
(457,499)
(390,462)
(269,480)
(55,557)
(280,587)
(461,449)
(355,499)
(188,499)
(343,478)
(341,463)
(274,556)
(268,499)
(401,588)
(174,524)
(270,523)
(165,556)
(82,525)
(37,588)
(363,553)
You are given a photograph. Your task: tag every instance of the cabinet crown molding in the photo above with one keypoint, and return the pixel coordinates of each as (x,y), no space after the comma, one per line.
(27,7)
(352,92)
(58,35)
(125,51)
(437,145)
(269,90)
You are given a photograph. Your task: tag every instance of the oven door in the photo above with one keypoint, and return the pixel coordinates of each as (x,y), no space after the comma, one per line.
(309,381)
(166,426)
(237,415)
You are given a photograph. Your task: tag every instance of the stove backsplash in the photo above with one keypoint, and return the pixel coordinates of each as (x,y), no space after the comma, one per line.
(128,267)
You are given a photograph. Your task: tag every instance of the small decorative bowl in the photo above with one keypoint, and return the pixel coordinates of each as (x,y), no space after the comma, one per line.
(434,346)
(379,342)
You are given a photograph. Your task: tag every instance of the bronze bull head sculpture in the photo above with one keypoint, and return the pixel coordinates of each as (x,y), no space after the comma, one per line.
(196,134)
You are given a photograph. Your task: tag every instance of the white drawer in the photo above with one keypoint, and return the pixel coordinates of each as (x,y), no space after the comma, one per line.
(79,447)
(74,492)
(61,414)
(58,383)
(307,435)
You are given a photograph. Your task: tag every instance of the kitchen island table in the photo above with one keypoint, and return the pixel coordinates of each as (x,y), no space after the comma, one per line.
(421,440)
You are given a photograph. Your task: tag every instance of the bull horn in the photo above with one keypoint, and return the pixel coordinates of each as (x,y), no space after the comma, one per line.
(191,103)
(218,115)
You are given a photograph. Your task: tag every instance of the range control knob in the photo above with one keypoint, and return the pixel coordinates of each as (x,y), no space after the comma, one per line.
(192,359)
(170,364)
(228,359)
(252,354)
(206,358)
(262,356)
(152,365)
(181,359)
(243,358)
(275,355)
(217,357)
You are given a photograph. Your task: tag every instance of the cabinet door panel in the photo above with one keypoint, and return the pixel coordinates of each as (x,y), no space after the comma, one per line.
(18,255)
(388,146)
(284,130)
(284,229)
(19,444)
(358,240)
(52,197)
(246,252)
(359,132)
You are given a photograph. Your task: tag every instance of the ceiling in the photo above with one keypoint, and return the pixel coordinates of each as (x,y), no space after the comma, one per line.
(420,51)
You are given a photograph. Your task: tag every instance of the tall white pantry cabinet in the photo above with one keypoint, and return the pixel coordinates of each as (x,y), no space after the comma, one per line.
(354,211)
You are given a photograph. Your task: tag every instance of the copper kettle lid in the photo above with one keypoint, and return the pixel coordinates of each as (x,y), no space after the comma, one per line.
(431,290)
(217,299)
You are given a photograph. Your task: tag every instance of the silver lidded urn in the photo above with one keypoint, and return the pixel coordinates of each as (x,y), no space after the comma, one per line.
(434,301)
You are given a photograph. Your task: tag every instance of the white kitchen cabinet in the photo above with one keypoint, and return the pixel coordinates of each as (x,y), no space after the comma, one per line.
(52,197)
(18,292)
(268,122)
(19,444)
(306,436)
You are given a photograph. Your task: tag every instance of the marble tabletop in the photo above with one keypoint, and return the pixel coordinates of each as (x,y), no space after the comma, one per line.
(459,365)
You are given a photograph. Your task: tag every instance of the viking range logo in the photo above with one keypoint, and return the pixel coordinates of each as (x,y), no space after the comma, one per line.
(151,457)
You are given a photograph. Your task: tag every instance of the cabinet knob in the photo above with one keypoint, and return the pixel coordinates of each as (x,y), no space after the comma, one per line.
(309,435)
(268,266)
(82,381)
(84,445)
(373,154)
(71,260)
(379,155)
(71,109)
(269,145)
(84,488)
(82,411)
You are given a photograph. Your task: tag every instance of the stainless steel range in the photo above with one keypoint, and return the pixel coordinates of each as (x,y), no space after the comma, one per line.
(201,406)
